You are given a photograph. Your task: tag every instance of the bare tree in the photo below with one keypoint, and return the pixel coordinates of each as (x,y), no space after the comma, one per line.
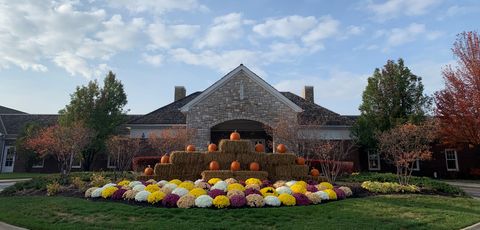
(122,150)
(284,132)
(170,139)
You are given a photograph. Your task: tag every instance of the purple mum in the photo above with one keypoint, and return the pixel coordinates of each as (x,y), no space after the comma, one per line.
(312,182)
(301,199)
(170,200)
(237,201)
(117,195)
(312,188)
(266,183)
(216,192)
(249,191)
(340,193)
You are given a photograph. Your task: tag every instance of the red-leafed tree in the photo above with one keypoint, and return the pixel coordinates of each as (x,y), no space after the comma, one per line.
(458,105)
(170,139)
(122,150)
(64,143)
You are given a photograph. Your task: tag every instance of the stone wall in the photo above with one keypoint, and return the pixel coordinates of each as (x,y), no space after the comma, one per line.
(238,98)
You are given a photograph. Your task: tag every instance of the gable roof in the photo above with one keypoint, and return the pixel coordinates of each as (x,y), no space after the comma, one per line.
(14,123)
(6,110)
(249,74)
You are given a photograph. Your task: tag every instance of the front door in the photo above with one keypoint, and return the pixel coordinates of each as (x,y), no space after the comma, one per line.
(8,159)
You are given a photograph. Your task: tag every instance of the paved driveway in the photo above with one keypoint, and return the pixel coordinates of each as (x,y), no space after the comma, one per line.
(472,188)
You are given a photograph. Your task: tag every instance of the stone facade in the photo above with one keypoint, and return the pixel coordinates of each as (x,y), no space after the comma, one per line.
(238,98)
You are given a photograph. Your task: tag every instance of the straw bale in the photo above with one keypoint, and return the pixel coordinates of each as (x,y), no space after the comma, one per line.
(281,159)
(244,175)
(246,158)
(222,174)
(186,158)
(299,170)
(240,146)
(224,159)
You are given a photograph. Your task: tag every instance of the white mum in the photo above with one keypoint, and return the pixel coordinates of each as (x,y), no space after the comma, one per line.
(109,185)
(142,196)
(222,185)
(97,193)
(170,186)
(133,183)
(162,183)
(284,189)
(180,191)
(197,182)
(290,183)
(203,201)
(272,201)
(139,187)
(322,195)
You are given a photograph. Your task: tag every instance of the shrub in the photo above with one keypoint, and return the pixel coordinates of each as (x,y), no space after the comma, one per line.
(268,191)
(180,191)
(284,189)
(129,195)
(249,191)
(98,180)
(272,201)
(314,198)
(170,200)
(235,193)
(340,193)
(53,188)
(175,181)
(89,191)
(388,187)
(237,201)
(298,188)
(118,195)
(142,196)
(187,185)
(253,181)
(152,188)
(235,186)
(221,185)
(255,200)
(287,199)
(155,197)
(216,192)
(203,201)
(197,192)
(108,191)
(301,199)
(186,201)
(79,183)
(331,194)
(214,181)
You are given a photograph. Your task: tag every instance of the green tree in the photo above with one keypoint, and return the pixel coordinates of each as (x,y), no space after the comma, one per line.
(101,109)
(28,131)
(393,96)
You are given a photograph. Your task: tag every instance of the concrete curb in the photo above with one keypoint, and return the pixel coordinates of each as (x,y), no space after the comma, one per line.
(473,227)
(5,226)
(14,180)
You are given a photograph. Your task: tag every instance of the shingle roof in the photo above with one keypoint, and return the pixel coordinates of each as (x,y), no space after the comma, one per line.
(312,114)
(14,123)
(169,114)
(5,110)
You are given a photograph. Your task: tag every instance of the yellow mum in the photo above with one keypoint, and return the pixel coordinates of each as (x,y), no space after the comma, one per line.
(221,201)
(331,194)
(176,181)
(298,188)
(235,186)
(152,188)
(326,185)
(155,197)
(108,191)
(123,183)
(197,192)
(268,191)
(253,181)
(214,181)
(187,185)
(301,183)
(287,199)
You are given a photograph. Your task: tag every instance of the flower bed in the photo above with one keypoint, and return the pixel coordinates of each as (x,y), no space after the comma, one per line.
(217,193)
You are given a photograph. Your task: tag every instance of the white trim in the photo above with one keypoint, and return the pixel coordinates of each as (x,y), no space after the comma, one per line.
(77,166)
(39,166)
(6,168)
(456,160)
(155,125)
(416,166)
(370,153)
(108,163)
(252,76)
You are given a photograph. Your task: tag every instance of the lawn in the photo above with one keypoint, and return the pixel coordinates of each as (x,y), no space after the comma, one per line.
(5,176)
(375,212)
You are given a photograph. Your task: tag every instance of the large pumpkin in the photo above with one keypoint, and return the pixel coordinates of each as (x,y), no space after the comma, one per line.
(214,165)
(235,136)
(300,161)
(165,159)
(212,147)
(148,171)
(259,148)
(314,172)
(281,148)
(190,148)
(235,166)
(254,166)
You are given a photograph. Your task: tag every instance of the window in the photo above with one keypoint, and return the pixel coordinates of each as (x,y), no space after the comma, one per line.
(416,165)
(77,162)
(451,159)
(373,160)
(111,163)
(38,162)
(10,158)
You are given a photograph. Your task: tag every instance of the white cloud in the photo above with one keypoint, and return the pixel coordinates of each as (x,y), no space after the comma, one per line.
(394,8)
(74,65)
(287,27)
(399,36)
(155,60)
(225,29)
(431,73)
(158,6)
(326,27)
(165,36)
(119,35)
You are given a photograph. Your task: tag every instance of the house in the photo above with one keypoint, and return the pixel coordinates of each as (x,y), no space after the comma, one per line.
(243,101)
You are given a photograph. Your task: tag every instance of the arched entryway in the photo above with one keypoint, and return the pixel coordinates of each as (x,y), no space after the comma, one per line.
(248,129)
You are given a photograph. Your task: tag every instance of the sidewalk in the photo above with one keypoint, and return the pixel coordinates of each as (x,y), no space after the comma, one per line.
(472,188)
(9,182)
(5,226)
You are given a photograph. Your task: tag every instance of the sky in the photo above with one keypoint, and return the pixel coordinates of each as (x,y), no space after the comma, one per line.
(48,48)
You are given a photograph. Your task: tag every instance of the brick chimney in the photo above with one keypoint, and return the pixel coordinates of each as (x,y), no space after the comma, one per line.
(180,92)
(308,93)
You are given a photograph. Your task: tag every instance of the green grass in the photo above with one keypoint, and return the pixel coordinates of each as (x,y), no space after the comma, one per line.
(378,212)
(5,176)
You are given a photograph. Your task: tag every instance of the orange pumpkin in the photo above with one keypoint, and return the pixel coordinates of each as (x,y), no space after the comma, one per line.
(254,166)
(148,171)
(212,147)
(259,148)
(165,159)
(300,161)
(235,136)
(190,148)
(235,166)
(314,172)
(214,165)
(281,148)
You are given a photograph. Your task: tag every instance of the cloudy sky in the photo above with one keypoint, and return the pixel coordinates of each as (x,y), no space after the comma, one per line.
(47,48)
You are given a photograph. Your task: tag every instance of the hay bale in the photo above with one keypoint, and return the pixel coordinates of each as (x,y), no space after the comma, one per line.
(281,159)
(223,159)
(299,170)
(246,158)
(163,170)
(240,146)
(186,158)
(283,172)
(222,174)
(244,175)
